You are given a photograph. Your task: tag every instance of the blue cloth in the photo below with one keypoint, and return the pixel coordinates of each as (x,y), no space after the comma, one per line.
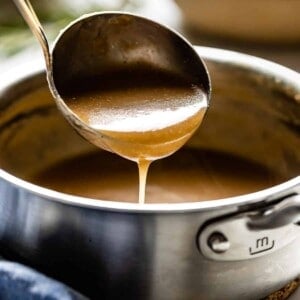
(18,282)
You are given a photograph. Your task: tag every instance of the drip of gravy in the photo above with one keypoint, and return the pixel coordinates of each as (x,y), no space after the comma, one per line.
(143,114)
(189,175)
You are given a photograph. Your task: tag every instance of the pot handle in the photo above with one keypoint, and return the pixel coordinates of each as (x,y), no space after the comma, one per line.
(284,213)
(253,233)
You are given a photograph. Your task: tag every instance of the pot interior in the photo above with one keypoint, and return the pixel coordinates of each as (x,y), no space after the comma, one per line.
(249,139)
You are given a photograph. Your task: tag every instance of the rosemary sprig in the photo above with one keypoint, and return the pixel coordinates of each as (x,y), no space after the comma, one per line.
(15,35)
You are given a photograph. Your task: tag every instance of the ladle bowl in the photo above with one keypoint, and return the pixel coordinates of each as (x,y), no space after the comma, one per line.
(98,43)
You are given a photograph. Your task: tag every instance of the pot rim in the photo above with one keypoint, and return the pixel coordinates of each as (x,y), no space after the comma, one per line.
(288,77)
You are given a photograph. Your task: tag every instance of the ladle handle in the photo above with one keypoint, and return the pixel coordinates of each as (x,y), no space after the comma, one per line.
(29,15)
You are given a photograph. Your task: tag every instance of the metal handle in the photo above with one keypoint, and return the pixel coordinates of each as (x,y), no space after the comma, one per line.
(35,26)
(284,213)
(252,234)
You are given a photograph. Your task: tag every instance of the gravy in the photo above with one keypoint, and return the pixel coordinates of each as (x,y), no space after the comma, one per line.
(144,114)
(188,175)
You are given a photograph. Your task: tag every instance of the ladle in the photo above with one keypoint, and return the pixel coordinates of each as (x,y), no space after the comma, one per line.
(96,43)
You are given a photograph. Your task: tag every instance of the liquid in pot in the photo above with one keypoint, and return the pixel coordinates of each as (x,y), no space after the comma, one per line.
(189,175)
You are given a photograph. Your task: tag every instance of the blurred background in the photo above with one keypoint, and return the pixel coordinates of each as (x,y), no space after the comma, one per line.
(266,28)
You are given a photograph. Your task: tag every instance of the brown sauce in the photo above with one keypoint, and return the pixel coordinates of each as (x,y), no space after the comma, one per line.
(144,114)
(189,175)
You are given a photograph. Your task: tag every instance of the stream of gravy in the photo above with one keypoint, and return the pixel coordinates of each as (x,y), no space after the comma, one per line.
(143,114)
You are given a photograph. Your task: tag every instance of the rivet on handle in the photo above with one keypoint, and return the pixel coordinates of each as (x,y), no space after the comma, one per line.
(218,242)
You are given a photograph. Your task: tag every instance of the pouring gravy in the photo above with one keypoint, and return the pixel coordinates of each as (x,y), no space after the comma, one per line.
(143,113)
(189,175)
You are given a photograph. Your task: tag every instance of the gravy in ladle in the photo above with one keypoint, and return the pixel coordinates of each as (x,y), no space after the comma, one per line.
(143,113)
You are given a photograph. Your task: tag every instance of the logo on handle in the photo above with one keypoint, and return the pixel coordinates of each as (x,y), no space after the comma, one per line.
(262,245)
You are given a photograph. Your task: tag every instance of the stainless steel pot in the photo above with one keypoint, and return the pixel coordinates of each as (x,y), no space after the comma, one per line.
(236,248)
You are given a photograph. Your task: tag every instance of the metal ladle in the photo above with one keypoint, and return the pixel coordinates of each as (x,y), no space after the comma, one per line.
(97,42)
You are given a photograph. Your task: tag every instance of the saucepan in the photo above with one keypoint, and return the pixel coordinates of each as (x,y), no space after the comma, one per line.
(243,247)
